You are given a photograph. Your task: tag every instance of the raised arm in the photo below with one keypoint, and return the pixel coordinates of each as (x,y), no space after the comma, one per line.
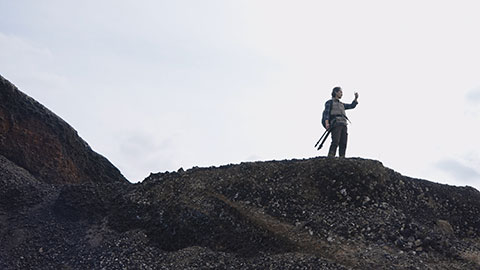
(353,104)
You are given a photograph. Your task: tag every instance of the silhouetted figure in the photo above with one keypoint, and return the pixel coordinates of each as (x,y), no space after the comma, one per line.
(334,114)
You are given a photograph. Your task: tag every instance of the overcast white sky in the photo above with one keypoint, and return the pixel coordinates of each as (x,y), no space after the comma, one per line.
(159,85)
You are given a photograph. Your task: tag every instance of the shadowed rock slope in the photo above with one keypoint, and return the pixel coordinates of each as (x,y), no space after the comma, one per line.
(37,140)
(296,214)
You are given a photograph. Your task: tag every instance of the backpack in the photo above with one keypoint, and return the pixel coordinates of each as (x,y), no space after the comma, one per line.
(325,113)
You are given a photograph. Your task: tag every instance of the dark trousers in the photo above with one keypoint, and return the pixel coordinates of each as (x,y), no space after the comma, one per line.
(339,139)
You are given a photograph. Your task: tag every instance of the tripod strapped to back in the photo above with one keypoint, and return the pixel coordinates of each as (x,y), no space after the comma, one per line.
(325,134)
(324,137)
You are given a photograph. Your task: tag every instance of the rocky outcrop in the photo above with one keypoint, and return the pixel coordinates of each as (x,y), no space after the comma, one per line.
(37,140)
(295,214)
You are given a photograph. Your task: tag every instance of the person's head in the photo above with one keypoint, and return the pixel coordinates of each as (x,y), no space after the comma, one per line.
(337,92)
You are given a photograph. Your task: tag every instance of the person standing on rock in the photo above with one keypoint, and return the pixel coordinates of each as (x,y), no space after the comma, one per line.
(335,117)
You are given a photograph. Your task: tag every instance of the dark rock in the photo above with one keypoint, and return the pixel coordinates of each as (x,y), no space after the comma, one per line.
(37,140)
(275,215)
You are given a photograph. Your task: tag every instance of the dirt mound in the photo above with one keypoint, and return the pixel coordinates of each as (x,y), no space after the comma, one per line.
(298,214)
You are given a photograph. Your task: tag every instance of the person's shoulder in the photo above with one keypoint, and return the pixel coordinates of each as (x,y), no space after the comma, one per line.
(329,101)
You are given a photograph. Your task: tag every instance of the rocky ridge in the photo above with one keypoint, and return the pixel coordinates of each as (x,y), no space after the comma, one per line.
(314,213)
(39,141)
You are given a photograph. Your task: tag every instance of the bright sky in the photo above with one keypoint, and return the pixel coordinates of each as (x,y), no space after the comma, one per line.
(159,85)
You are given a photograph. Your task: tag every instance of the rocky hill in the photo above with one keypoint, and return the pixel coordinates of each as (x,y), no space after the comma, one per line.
(41,142)
(315,213)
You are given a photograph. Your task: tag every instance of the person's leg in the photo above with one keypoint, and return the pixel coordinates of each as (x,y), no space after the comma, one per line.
(336,134)
(343,141)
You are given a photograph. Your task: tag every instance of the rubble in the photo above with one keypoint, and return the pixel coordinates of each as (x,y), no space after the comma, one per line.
(292,214)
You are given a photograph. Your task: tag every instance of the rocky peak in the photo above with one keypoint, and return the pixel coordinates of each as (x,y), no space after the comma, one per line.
(39,141)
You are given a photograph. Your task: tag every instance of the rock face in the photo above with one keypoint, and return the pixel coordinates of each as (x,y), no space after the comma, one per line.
(37,140)
(316,213)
